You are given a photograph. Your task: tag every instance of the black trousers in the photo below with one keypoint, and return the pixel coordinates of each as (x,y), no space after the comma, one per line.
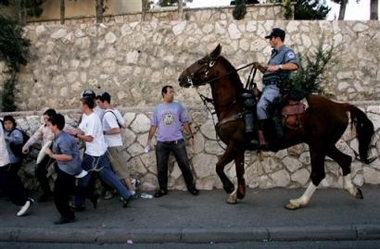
(64,188)
(11,184)
(163,150)
(41,174)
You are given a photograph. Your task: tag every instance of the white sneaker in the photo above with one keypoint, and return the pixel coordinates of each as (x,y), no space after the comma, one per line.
(135,182)
(25,208)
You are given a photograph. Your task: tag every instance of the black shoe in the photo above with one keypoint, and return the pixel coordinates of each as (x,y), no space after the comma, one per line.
(194,191)
(45,197)
(126,201)
(109,194)
(95,199)
(160,193)
(64,220)
(135,196)
(79,209)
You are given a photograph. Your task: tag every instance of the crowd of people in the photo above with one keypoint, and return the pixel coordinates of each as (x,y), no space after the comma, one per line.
(103,157)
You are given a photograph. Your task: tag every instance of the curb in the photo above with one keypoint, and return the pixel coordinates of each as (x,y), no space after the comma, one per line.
(191,235)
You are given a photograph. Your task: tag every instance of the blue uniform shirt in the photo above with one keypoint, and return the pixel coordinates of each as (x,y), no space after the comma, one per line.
(280,56)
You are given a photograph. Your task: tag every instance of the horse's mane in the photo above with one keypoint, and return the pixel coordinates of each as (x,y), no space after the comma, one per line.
(233,74)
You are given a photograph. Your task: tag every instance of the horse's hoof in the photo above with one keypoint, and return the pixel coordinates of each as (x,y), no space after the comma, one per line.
(232,198)
(231,201)
(359,194)
(292,206)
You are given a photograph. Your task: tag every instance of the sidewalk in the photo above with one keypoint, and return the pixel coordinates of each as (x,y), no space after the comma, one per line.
(180,217)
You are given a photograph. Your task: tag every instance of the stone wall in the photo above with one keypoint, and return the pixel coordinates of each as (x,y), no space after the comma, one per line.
(132,59)
(287,168)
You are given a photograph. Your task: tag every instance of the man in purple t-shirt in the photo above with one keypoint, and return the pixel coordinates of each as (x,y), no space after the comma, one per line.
(168,119)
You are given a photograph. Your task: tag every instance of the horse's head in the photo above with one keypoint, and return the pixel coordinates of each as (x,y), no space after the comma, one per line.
(202,71)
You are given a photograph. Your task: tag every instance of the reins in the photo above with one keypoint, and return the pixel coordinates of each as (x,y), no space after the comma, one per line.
(248,85)
(207,100)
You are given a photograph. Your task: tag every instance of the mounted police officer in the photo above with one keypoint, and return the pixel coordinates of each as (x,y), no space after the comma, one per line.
(283,60)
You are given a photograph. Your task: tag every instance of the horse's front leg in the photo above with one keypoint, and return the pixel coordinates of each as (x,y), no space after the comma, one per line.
(226,158)
(239,193)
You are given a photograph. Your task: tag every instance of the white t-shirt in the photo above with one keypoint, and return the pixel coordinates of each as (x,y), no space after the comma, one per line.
(97,110)
(110,120)
(91,126)
(4,156)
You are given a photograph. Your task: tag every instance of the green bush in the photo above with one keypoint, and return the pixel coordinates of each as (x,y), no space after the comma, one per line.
(14,50)
(240,10)
(310,74)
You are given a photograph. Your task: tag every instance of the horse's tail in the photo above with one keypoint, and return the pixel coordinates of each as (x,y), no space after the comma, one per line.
(364,131)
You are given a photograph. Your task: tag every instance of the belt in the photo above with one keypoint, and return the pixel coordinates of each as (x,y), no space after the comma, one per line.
(270,82)
(171,142)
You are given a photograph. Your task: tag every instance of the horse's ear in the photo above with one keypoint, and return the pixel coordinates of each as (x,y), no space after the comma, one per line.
(214,54)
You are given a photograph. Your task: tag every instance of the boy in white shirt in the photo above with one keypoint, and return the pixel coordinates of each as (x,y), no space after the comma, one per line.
(112,123)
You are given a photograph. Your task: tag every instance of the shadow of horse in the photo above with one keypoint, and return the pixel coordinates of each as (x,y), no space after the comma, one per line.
(323,123)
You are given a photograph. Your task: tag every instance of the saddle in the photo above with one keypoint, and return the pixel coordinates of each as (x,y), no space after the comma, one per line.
(293,111)
(293,114)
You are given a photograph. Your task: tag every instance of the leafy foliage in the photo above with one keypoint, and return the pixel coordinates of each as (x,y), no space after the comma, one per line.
(305,9)
(240,10)
(14,50)
(310,73)
(165,3)
(13,47)
(8,96)
(311,10)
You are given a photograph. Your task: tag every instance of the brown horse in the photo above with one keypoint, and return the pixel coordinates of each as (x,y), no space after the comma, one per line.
(324,122)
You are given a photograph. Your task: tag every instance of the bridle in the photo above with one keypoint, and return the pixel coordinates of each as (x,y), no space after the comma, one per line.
(205,69)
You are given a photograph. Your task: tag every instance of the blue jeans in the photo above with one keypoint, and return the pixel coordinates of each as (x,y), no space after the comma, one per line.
(103,167)
(178,148)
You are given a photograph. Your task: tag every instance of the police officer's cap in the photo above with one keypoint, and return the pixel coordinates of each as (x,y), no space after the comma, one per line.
(276,32)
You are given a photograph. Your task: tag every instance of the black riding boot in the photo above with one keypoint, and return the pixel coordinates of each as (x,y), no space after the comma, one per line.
(260,132)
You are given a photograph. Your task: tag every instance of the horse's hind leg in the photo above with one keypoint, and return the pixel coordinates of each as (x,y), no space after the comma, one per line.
(344,162)
(239,165)
(317,175)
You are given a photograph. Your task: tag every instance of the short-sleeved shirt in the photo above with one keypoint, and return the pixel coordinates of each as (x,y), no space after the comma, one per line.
(15,137)
(4,155)
(65,144)
(280,56)
(169,118)
(110,121)
(92,126)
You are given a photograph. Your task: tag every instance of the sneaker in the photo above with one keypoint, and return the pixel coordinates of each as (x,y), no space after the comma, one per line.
(109,194)
(135,182)
(26,207)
